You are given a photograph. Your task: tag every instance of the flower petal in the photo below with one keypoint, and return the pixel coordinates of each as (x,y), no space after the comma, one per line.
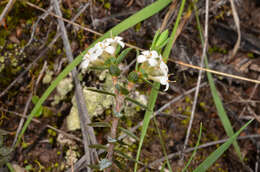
(154,54)
(111,50)
(152,62)
(164,81)
(141,59)
(85,63)
(167,87)
(108,41)
(146,53)
(121,43)
(118,40)
(164,68)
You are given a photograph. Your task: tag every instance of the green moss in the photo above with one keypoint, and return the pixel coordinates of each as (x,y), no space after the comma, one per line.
(138,27)
(185,122)
(107,5)
(217,50)
(24,145)
(51,141)
(250,55)
(187,99)
(187,111)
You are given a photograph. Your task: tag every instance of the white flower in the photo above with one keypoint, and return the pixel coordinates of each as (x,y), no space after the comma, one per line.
(91,55)
(108,45)
(162,80)
(151,56)
(85,63)
(118,40)
(164,68)
(156,69)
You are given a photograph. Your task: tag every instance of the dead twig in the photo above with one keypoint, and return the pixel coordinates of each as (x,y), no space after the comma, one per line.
(215,72)
(7,9)
(199,77)
(91,157)
(237,23)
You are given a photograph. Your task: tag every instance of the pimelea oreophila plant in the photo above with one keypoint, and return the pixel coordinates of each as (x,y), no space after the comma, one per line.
(150,66)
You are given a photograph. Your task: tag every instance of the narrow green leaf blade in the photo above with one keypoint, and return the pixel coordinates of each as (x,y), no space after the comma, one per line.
(195,150)
(129,133)
(218,103)
(101,91)
(100,124)
(136,102)
(217,153)
(122,55)
(98,146)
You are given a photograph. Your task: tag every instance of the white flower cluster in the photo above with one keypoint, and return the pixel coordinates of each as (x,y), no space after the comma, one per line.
(151,61)
(104,48)
(153,64)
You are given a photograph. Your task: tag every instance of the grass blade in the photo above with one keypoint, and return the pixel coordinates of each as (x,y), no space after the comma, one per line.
(217,153)
(218,103)
(195,150)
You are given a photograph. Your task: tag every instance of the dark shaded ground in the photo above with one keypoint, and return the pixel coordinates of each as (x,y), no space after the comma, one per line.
(40,148)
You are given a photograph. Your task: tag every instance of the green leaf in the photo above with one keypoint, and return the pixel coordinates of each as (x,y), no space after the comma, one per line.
(136,102)
(133,77)
(35,99)
(98,146)
(121,89)
(99,67)
(127,157)
(129,133)
(100,124)
(122,55)
(162,40)
(94,167)
(195,150)
(101,91)
(120,165)
(155,38)
(114,70)
(163,44)
(217,153)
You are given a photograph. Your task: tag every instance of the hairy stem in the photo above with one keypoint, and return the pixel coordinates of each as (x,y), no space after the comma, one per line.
(119,99)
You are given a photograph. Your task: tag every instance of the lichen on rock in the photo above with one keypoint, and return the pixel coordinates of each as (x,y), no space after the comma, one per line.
(63,88)
(96,103)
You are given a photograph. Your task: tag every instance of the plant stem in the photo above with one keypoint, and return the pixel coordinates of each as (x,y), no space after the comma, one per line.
(119,99)
(113,136)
